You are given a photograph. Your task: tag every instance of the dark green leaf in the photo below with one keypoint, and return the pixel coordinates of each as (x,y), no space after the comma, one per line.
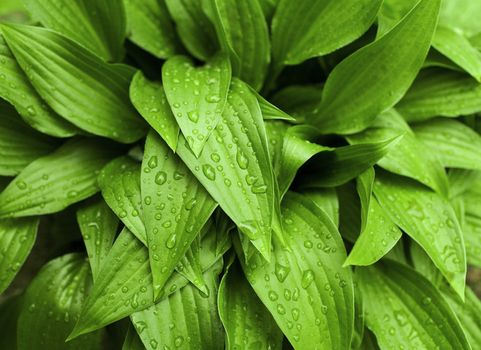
(132,340)
(9,311)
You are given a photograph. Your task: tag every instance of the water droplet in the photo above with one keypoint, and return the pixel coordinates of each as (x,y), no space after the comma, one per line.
(178,175)
(153,343)
(259,189)
(160,178)
(241,159)
(273,296)
(179,341)
(308,244)
(307,278)
(213,98)
(190,204)
(281,272)
(215,157)
(208,171)
(281,309)
(152,163)
(193,116)
(295,314)
(171,241)
(21,185)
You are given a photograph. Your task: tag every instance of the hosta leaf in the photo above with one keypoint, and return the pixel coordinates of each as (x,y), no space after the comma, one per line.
(408,157)
(98,225)
(404,309)
(149,99)
(306,285)
(132,340)
(97,25)
(175,208)
(119,181)
(197,96)
(458,49)
(443,93)
(150,27)
(364,184)
(84,85)
(190,266)
(361,94)
(456,145)
(298,100)
(19,144)
(247,322)
(269,111)
(460,180)
(194,27)
(427,218)
(462,15)
(326,199)
(349,211)
(305,29)
(391,12)
(242,184)
(17,89)
(17,237)
(52,183)
(242,31)
(52,304)
(472,239)
(186,319)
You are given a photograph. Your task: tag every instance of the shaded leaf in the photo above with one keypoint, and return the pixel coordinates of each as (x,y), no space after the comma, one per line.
(9,311)
(132,340)
(326,199)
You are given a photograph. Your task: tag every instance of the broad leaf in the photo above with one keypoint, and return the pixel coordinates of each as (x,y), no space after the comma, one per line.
(326,199)
(52,304)
(462,15)
(150,101)
(9,310)
(84,85)
(456,145)
(235,166)
(150,27)
(132,340)
(390,65)
(98,225)
(190,266)
(305,29)
(52,183)
(17,237)
(185,319)
(17,89)
(175,208)
(472,239)
(197,96)
(305,288)
(19,144)
(194,27)
(443,93)
(298,100)
(427,218)
(97,25)
(404,309)
(247,322)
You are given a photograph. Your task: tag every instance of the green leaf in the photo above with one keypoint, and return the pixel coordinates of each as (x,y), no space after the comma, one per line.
(391,13)
(194,27)
(242,31)
(269,111)
(427,218)
(98,225)
(404,309)
(326,199)
(19,144)
(444,93)
(242,184)
(132,340)
(408,157)
(175,208)
(52,183)
(362,94)
(472,235)
(305,29)
(247,322)
(52,303)
(9,311)
(462,15)
(458,49)
(186,319)
(197,96)
(298,100)
(456,145)
(84,85)
(306,285)
(150,101)
(17,237)
(150,27)
(99,26)
(190,266)
(364,184)
(17,89)
(119,181)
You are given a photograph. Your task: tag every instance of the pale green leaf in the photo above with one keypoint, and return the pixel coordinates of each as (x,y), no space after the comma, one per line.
(52,183)
(461,15)
(326,199)
(472,239)
(97,25)
(17,237)
(78,85)
(404,309)
(353,97)
(197,96)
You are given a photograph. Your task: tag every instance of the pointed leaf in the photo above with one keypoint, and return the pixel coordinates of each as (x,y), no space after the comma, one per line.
(326,199)
(247,322)
(197,96)
(364,184)
(132,340)
(361,94)
(405,310)
(84,85)
(190,266)
(175,208)
(17,237)
(52,304)
(17,89)
(97,25)
(150,101)
(98,225)
(306,285)
(427,218)
(52,183)
(305,29)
